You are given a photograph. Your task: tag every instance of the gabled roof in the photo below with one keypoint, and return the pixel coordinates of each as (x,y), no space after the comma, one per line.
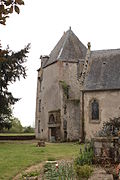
(104,72)
(69,48)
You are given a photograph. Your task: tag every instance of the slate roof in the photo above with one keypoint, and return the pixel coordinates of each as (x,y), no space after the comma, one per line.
(69,48)
(104,72)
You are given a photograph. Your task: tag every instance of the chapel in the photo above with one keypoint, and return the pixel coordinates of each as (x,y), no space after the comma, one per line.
(78,89)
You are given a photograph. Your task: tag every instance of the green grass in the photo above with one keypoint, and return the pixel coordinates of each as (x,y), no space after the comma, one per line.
(17,156)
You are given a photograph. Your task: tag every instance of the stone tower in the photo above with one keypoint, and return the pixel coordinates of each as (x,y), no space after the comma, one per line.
(58,91)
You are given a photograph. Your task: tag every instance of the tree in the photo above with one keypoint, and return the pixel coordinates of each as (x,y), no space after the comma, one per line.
(16,126)
(7,7)
(5,121)
(28,129)
(11,66)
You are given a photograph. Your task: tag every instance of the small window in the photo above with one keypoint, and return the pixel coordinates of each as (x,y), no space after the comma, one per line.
(39,126)
(40,85)
(94,110)
(40,105)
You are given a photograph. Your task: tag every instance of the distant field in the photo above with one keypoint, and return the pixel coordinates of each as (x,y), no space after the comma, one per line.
(19,134)
(15,156)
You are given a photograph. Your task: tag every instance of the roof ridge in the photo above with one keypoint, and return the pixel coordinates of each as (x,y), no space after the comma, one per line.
(60,52)
(104,50)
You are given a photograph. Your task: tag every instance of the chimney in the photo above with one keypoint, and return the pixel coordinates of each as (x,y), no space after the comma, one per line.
(44,59)
(89,45)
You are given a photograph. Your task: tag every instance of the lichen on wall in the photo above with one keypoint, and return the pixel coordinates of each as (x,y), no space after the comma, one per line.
(65,88)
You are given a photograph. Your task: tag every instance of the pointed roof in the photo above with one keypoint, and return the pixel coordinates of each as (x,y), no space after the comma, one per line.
(69,48)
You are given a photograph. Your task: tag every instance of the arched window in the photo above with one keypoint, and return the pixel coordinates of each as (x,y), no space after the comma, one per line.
(51,119)
(94,110)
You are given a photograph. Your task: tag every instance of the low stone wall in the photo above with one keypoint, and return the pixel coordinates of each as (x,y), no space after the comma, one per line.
(17,137)
(107,149)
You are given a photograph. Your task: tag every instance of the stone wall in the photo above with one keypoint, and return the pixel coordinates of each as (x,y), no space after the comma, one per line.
(73,118)
(106,149)
(53,98)
(109,107)
(49,96)
(70,107)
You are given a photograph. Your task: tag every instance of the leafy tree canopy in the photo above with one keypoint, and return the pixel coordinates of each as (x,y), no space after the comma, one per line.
(11,65)
(16,126)
(28,129)
(7,7)
(11,68)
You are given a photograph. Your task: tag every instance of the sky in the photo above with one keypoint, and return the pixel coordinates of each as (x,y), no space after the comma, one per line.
(42,23)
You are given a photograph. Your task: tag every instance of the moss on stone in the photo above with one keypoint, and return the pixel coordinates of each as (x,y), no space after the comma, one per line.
(65,88)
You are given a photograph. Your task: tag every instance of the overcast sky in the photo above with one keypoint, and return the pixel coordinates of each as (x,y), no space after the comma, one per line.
(42,23)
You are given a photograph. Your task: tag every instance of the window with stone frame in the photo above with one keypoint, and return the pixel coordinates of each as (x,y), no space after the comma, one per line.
(94,110)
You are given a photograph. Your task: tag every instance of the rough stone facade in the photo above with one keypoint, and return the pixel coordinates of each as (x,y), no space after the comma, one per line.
(52,100)
(77,90)
(106,148)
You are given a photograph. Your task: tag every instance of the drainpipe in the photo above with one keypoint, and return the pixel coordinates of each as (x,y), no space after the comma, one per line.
(83,120)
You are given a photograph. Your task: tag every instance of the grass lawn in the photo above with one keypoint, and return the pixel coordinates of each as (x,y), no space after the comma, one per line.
(17,156)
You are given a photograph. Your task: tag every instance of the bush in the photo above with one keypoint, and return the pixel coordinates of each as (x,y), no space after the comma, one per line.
(84,171)
(110,128)
(85,156)
(28,129)
(83,161)
(64,171)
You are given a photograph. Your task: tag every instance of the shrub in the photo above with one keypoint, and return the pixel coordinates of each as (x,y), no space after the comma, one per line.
(85,156)
(84,171)
(83,161)
(63,171)
(28,129)
(110,128)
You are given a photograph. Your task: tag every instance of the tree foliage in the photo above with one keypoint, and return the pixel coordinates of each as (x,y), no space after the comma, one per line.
(7,7)
(11,66)
(5,120)
(16,126)
(28,129)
